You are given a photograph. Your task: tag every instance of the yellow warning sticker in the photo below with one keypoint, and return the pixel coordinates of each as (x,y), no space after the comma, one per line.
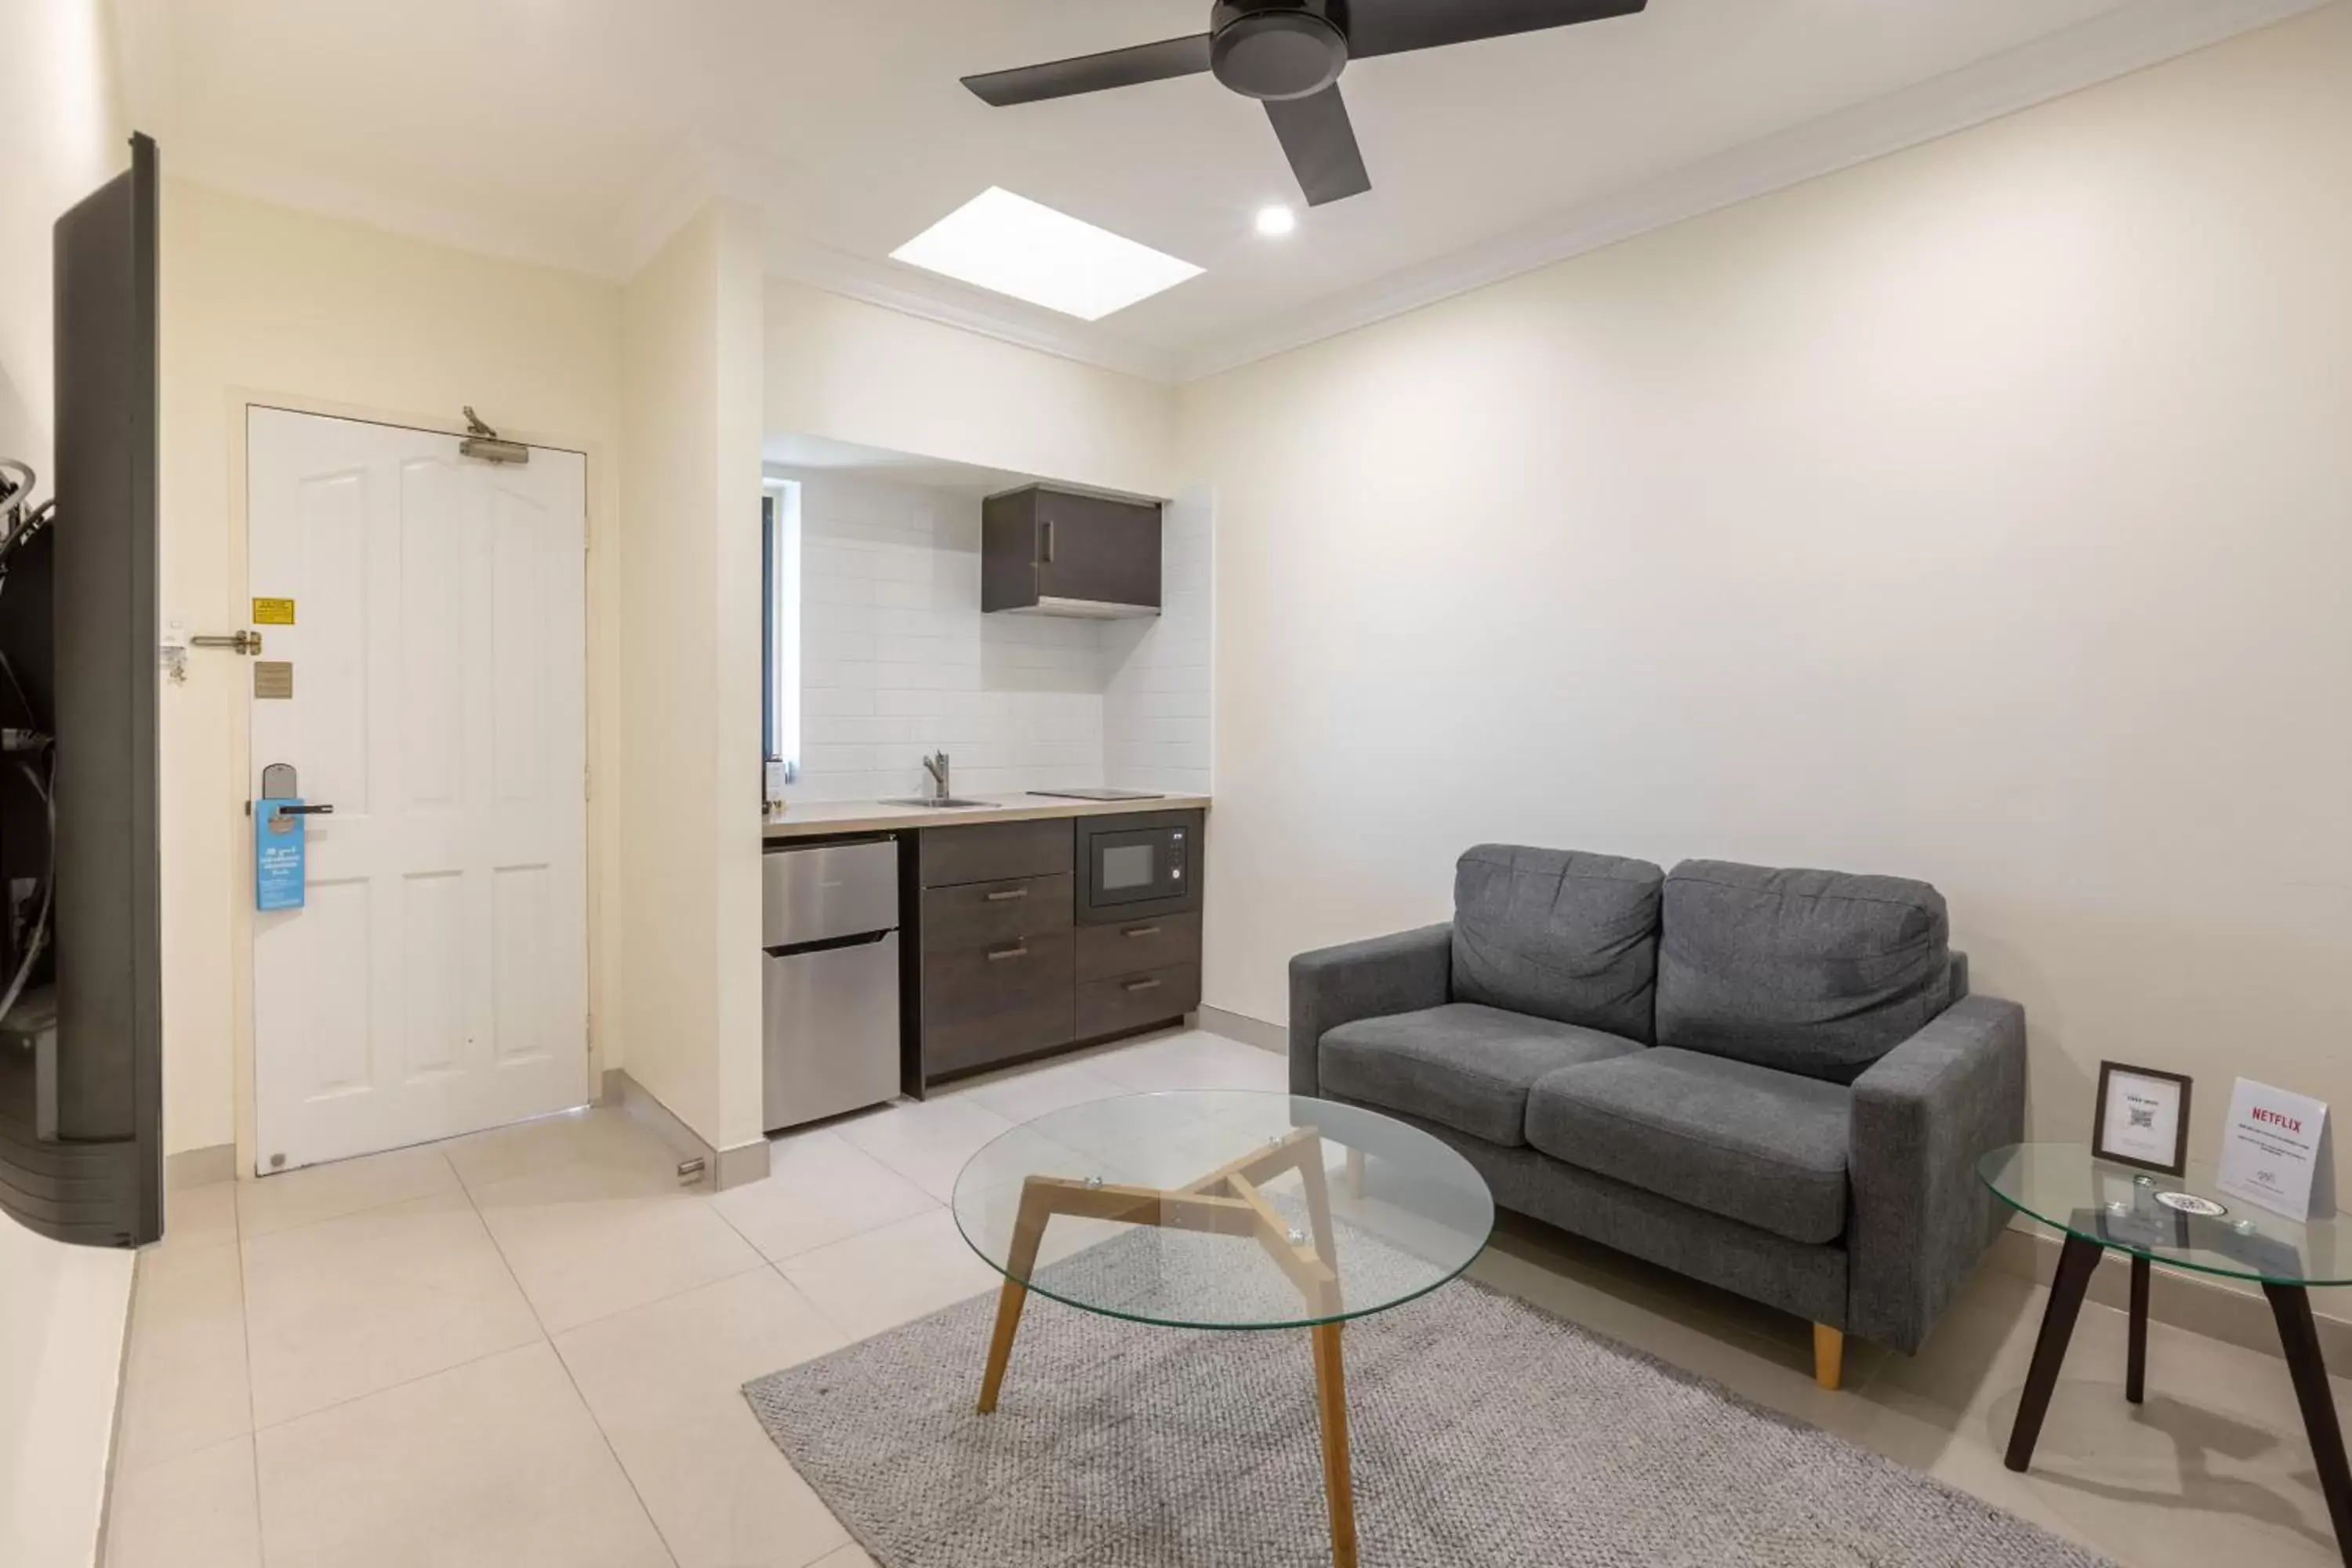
(273,612)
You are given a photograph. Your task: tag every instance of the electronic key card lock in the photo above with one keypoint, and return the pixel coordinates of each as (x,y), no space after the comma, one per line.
(278,838)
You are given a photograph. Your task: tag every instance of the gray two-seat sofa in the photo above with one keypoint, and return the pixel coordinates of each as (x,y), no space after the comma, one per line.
(1773,1080)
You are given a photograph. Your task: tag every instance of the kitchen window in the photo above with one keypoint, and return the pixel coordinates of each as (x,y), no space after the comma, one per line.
(780,625)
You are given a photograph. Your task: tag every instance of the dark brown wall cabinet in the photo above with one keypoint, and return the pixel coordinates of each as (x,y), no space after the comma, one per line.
(1001,971)
(1053,552)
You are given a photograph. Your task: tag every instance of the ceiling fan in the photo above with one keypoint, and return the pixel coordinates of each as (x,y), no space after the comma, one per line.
(1289,54)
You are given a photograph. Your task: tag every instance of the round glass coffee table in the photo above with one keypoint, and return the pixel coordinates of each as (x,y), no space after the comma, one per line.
(2182,1222)
(1225,1211)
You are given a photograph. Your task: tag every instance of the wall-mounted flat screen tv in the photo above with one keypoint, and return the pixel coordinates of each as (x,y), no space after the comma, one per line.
(81,944)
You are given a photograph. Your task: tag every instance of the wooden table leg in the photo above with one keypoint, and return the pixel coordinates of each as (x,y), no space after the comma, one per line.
(1355,1172)
(2299,1336)
(1000,1343)
(1339,1475)
(2066,1287)
(2136,1358)
(1028,1232)
(1317,1183)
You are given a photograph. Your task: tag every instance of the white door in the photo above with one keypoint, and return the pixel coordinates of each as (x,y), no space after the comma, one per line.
(434,981)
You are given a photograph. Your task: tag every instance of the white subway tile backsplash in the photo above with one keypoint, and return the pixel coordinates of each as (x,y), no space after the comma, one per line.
(897,661)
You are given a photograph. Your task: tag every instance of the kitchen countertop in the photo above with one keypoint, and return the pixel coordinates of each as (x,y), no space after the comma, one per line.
(811,818)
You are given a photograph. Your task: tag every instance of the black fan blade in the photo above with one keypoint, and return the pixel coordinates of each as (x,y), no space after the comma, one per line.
(1094,73)
(1394,26)
(1321,143)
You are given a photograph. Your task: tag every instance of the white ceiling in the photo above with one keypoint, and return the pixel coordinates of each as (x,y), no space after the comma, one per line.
(579,131)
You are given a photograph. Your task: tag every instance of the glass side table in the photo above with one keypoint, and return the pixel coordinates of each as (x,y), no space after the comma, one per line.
(2182,1222)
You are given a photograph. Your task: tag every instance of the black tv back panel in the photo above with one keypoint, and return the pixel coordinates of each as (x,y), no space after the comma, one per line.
(81,1111)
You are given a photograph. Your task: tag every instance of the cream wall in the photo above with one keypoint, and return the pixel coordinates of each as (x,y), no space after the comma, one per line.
(1983,513)
(689,688)
(62,1309)
(60,139)
(849,371)
(265,304)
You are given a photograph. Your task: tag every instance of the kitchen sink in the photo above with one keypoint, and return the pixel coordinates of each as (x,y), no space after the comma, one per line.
(950,804)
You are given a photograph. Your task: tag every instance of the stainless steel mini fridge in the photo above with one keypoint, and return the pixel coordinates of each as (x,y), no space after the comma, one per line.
(830,975)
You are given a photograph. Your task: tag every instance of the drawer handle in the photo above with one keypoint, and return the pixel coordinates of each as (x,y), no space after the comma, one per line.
(1143,930)
(1142,986)
(1004,953)
(1003,895)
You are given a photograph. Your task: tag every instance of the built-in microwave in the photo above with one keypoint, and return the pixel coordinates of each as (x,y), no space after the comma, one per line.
(1146,863)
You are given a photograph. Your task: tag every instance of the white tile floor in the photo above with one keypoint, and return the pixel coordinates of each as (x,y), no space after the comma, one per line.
(525,1347)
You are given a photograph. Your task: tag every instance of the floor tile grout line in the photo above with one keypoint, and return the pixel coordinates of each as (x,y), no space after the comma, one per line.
(365,1209)
(252,1413)
(572,1381)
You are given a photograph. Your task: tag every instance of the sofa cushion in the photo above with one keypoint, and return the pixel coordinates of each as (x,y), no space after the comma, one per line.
(1812,972)
(1744,1141)
(1462,1065)
(1557,934)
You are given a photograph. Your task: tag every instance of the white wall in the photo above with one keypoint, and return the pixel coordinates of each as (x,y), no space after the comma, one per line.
(261,303)
(1983,514)
(846,371)
(688,947)
(897,660)
(1156,705)
(62,1309)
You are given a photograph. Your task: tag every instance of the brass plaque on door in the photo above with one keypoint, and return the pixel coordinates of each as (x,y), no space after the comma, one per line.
(273,678)
(273,612)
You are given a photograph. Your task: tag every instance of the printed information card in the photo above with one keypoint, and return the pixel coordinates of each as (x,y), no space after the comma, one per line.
(2275,1152)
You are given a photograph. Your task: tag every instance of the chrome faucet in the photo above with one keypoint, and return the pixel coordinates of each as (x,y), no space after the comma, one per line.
(937,767)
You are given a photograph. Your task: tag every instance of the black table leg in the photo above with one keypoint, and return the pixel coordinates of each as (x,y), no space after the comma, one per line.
(2291,1306)
(2136,1362)
(2066,1287)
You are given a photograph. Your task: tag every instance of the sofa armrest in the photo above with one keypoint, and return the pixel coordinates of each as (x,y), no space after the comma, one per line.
(1922,1115)
(1335,985)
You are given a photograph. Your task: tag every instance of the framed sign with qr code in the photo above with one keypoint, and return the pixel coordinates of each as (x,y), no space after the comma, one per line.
(2142,1117)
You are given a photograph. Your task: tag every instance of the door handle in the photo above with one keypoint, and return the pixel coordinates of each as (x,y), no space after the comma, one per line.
(1048,557)
(1141,930)
(245,642)
(306,811)
(1005,952)
(1142,986)
(1002,895)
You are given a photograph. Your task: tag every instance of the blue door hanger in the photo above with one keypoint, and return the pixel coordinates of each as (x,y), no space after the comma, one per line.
(278,848)
(279,840)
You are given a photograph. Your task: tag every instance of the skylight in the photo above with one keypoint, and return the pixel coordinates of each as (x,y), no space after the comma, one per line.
(1011,245)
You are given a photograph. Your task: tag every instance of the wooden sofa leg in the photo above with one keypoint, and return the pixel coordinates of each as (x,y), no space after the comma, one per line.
(1829,1355)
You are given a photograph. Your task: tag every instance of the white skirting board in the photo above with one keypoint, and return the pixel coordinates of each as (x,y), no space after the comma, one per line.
(722,1168)
(1249,1031)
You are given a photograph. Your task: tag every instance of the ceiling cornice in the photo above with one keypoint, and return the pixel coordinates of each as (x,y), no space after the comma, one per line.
(2132,38)
(2107,47)
(898,287)
(2129,39)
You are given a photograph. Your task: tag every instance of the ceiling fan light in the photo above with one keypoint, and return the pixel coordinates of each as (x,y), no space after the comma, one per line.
(1278,55)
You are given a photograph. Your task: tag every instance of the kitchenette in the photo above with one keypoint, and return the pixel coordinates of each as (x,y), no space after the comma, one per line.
(926,918)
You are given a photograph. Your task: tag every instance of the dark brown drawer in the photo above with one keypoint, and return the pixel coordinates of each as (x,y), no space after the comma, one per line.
(995,852)
(1130,947)
(979,1009)
(1107,1006)
(985,914)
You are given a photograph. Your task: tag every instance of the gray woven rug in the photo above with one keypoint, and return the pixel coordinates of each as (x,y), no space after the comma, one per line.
(1488,1434)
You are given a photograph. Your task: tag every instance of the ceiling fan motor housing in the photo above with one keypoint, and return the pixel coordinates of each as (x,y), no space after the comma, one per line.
(1278,49)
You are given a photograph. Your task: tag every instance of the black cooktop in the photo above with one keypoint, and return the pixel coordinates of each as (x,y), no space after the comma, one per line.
(1098,794)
